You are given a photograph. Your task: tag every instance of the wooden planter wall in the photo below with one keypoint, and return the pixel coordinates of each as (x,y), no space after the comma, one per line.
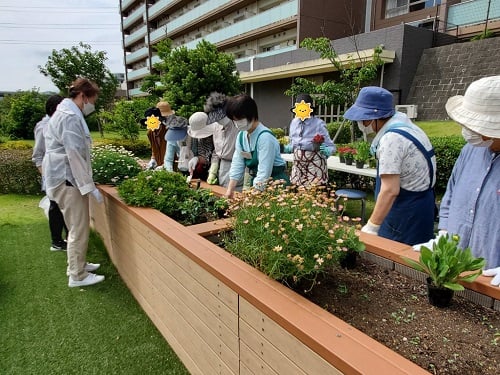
(222,316)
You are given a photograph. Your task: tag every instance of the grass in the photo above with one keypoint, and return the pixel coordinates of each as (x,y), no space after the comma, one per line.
(440,128)
(48,328)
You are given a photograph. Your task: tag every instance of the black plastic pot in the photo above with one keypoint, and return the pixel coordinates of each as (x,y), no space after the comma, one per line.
(348,161)
(438,296)
(349,260)
(360,164)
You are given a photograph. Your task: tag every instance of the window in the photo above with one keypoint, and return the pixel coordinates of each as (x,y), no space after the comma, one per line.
(395,8)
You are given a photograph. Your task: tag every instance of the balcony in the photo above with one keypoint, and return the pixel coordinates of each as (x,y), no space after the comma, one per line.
(137,74)
(136,55)
(473,12)
(159,8)
(133,17)
(251,24)
(135,36)
(127,3)
(136,93)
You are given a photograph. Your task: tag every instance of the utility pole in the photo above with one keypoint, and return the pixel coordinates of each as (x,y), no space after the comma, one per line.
(487,17)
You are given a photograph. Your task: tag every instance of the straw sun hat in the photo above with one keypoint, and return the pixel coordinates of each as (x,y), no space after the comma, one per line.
(479,108)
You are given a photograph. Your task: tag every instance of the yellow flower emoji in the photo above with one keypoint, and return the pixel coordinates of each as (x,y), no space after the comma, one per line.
(302,110)
(152,122)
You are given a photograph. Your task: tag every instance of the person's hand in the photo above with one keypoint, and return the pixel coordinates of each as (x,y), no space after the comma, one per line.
(325,150)
(212,174)
(495,273)
(370,228)
(430,244)
(192,163)
(287,149)
(152,164)
(97,195)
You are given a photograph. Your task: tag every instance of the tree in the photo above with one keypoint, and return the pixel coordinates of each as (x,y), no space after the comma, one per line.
(20,113)
(64,66)
(351,76)
(188,76)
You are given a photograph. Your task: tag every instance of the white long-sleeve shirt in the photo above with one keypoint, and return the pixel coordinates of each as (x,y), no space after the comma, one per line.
(67,150)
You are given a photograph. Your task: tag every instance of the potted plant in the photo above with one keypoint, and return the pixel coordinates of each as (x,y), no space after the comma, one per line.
(362,153)
(349,153)
(341,151)
(317,141)
(446,266)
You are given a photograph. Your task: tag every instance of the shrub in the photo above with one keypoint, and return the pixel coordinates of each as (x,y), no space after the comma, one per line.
(113,165)
(278,132)
(18,174)
(291,235)
(139,148)
(344,136)
(16,145)
(169,193)
(447,150)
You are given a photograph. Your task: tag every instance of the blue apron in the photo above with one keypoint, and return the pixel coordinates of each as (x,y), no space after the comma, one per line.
(411,218)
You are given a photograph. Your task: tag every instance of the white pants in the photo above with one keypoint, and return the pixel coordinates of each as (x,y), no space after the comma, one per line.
(75,210)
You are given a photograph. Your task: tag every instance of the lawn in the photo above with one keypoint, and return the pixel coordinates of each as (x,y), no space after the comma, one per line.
(49,328)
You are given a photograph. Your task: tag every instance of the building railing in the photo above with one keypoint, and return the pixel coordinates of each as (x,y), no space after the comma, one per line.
(473,12)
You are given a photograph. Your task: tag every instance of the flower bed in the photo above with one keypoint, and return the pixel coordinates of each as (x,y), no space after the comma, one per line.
(221,315)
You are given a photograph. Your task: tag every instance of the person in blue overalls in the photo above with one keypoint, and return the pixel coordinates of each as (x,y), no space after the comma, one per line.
(406,169)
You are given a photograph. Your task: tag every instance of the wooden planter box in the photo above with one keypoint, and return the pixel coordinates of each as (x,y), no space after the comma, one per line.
(222,316)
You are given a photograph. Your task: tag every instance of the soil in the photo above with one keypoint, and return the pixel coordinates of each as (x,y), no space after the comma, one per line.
(463,338)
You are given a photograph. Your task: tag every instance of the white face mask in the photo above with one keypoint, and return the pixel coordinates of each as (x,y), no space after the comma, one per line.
(88,108)
(242,124)
(475,139)
(367,130)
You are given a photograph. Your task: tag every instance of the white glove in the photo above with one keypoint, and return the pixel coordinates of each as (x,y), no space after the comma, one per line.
(430,244)
(370,228)
(192,164)
(152,164)
(495,273)
(97,196)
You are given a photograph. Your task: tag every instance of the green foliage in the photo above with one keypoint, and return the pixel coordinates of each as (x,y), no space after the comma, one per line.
(125,116)
(66,65)
(362,151)
(484,35)
(289,234)
(447,150)
(18,174)
(344,135)
(21,113)
(278,132)
(140,148)
(190,75)
(169,193)
(113,165)
(352,76)
(16,145)
(446,262)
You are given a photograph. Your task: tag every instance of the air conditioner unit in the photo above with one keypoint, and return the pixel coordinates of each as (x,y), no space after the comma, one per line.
(409,109)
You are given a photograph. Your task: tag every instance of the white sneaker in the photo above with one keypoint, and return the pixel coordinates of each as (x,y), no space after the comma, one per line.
(89,267)
(91,279)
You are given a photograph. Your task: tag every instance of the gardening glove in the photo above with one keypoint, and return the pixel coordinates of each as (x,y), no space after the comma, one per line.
(152,164)
(370,228)
(97,195)
(212,174)
(192,163)
(287,149)
(325,150)
(495,273)
(430,244)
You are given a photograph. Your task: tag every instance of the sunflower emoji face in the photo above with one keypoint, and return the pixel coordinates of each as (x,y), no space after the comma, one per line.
(152,122)
(302,110)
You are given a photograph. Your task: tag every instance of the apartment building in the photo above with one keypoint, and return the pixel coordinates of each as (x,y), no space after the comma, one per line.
(247,29)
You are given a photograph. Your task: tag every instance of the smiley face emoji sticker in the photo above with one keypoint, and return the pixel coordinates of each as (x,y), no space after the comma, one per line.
(302,110)
(152,122)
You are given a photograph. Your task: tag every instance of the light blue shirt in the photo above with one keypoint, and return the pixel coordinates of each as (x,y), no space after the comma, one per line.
(303,132)
(268,152)
(471,204)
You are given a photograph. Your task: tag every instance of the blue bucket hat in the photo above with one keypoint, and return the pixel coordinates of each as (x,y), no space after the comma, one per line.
(372,103)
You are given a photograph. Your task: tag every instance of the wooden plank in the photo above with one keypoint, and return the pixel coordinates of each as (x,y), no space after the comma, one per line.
(251,363)
(175,259)
(277,348)
(212,227)
(180,321)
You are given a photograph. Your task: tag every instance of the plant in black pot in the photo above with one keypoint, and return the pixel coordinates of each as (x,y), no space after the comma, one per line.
(362,153)
(447,265)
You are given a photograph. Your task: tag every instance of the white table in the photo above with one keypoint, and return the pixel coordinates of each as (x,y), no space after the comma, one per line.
(334,164)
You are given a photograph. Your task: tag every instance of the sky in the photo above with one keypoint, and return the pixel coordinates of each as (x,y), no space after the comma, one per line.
(31,29)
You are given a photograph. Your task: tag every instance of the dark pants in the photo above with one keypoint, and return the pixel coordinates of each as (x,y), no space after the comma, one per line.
(56,223)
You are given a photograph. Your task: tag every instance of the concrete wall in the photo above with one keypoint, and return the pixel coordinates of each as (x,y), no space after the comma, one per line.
(447,71)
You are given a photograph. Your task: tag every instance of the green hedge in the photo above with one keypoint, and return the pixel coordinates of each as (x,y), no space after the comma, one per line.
(18,174)
(447,150)
(139,148)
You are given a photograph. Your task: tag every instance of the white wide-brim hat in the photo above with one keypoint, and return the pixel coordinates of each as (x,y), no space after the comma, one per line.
(479,108)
